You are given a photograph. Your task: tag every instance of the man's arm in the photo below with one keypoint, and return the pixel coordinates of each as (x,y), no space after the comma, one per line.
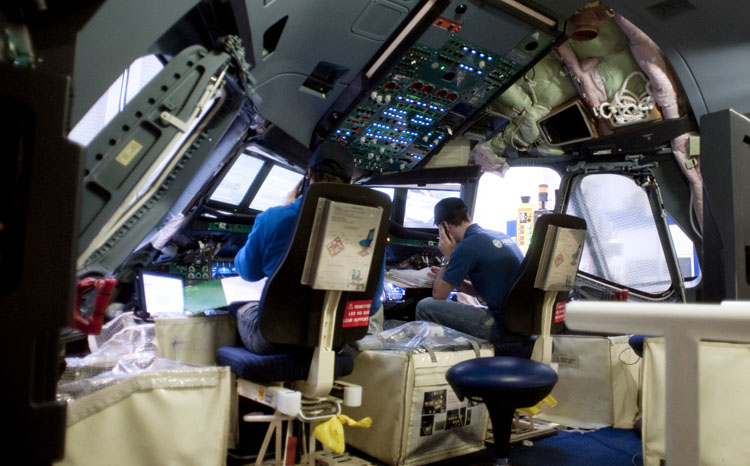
(440,288)
(468,288)
(446,244)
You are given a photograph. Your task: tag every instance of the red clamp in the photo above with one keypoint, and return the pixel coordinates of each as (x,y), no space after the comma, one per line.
(104,287)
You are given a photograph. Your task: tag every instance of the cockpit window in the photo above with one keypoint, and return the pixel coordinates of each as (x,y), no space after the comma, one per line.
(687,256)
(509,203)
(390,192)
(420,206)
(622,242)
(126,86)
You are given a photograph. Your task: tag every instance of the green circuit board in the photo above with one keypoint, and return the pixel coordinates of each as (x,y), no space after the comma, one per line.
(426,98)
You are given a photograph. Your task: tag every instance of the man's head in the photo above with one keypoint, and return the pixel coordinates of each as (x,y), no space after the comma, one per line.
(452,211)
(331,162)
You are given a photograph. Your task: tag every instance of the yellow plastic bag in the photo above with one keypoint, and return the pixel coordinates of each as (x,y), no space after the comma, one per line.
(331,432)
(532,410)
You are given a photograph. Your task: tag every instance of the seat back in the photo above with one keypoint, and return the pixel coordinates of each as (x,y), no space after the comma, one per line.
(291,312)
(525,302)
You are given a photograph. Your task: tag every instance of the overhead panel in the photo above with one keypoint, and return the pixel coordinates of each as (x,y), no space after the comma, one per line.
(305,54)
(468,56)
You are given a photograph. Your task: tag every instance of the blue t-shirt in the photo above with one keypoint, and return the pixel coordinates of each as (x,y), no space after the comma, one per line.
(490,259)
(267,243)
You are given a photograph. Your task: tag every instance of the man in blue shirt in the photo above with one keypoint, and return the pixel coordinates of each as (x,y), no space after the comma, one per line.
(490,260)
(272,231)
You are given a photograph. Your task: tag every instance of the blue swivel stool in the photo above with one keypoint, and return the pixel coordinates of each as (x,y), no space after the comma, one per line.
(505,383)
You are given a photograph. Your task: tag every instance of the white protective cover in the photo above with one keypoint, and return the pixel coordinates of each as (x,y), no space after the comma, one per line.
(176,417)
(598,382)
(724,391)
(412,408)
(195,339)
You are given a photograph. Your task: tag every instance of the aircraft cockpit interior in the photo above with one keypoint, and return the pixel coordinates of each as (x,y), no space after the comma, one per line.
(375,232)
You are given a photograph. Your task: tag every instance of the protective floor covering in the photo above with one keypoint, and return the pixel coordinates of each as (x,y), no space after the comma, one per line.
(610,447)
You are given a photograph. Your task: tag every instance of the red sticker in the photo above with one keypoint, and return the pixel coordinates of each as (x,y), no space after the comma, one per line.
(559,312)
(357,313)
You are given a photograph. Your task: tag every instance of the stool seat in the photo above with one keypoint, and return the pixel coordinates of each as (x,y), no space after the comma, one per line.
(504,384)
(514,380)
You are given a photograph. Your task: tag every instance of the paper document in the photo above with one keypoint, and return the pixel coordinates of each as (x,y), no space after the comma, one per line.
(561,254)
(341,246)
(215,294)
(410,278)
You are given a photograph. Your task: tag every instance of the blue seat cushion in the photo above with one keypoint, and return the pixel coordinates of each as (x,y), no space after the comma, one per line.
(267,368)
(509,381)
(636,342)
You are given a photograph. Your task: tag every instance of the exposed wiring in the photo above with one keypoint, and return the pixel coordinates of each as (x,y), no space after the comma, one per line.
(627,107)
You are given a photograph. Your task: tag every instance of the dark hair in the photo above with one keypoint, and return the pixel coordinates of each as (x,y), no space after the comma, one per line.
(451,210)
(460,216)
(317,175)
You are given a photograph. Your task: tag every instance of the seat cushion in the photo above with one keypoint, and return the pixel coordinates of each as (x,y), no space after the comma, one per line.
(636,342)
(267,368)
(513,382)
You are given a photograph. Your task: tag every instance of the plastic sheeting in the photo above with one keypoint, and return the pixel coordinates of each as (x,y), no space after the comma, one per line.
(420,337)
(126,405)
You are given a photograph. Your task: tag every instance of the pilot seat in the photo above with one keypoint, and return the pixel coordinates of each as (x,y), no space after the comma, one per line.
(316,301)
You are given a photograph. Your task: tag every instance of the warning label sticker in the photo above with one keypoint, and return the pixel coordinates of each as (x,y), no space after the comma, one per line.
(559,312)
(357,313)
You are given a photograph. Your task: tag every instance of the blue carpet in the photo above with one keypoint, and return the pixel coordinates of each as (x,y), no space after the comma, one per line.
(604,447)
(610,447)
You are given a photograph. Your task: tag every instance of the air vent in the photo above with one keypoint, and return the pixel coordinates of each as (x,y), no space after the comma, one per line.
(320,82)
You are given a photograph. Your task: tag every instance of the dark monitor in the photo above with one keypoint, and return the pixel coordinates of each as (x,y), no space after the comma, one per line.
(567,125)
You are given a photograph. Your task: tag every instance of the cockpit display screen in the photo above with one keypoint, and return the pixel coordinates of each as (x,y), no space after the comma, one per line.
(277,185)
(238,180)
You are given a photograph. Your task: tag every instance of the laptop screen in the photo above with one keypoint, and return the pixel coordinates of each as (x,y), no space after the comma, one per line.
(162,294)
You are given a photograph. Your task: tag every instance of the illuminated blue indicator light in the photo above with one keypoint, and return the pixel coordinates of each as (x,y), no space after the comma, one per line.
(432,145)
(481,55)
(473,52)
(465,48)
(348,133)
(338,131)
(479,72)
(489,58)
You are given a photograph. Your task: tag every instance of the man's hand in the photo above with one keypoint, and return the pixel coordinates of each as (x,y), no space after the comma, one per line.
(294,193)
(446,244)
(433,272)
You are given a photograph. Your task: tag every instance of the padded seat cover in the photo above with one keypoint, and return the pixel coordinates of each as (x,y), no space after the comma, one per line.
(264,369)
(509,381)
